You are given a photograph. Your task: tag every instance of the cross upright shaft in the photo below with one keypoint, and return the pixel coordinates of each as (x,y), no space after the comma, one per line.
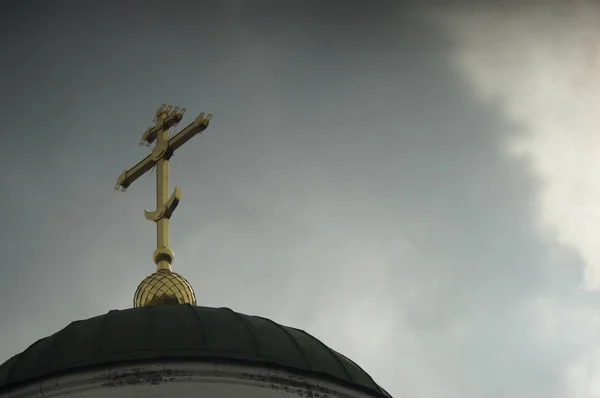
(162,196)
(166,117)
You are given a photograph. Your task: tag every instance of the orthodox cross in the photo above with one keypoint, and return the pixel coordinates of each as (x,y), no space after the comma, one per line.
(167,117)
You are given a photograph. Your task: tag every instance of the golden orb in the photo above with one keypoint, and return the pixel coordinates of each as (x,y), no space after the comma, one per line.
(164,287)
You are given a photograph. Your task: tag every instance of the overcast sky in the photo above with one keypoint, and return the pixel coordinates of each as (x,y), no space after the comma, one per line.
(416,186)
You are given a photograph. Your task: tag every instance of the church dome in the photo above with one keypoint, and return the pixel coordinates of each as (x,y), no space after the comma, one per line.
(164,287)
(181,332)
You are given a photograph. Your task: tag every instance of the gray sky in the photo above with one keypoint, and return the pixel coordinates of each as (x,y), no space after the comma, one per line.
(415,186)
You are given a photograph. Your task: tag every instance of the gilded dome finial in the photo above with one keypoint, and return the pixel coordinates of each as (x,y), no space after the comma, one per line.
(164,286)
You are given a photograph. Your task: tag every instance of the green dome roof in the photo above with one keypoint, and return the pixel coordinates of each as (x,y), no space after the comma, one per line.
(181,332)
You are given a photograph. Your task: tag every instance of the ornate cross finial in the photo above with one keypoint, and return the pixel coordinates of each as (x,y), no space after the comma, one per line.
(166,118)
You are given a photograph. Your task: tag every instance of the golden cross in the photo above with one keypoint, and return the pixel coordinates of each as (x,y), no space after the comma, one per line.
(166,118)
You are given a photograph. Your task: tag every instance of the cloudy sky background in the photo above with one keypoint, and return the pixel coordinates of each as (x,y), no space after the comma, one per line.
(416,186)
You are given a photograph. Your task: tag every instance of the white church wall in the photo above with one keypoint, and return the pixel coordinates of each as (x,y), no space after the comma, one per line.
(184,379)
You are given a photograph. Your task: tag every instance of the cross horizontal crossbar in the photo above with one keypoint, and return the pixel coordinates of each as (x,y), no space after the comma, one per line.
(177,141)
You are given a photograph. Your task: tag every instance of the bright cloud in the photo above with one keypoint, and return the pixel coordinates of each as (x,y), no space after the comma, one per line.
(541,62)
